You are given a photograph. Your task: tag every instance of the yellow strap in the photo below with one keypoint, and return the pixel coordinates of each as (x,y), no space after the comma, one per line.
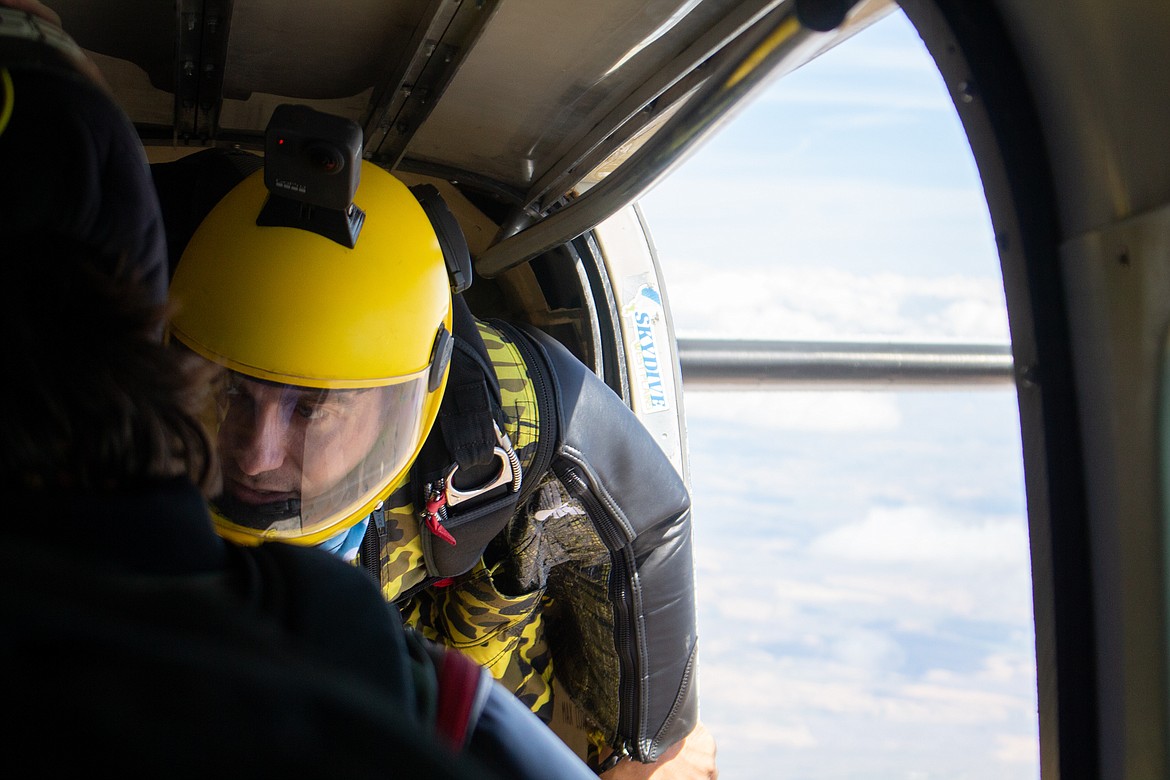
(7,98)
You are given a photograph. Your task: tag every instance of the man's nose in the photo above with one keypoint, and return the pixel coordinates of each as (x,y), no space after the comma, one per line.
(263,444)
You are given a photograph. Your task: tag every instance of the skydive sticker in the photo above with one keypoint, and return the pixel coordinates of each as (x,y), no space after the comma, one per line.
(647,321)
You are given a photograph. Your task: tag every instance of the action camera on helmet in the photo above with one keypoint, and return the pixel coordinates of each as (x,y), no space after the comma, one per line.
(312,165)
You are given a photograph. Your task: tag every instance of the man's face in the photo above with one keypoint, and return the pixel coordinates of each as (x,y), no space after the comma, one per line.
(280,442)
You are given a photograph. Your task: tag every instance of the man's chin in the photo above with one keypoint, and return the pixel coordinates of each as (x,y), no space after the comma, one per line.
(259,515)
(241,490)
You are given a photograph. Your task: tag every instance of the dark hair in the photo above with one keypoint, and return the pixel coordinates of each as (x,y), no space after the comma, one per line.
(94,399)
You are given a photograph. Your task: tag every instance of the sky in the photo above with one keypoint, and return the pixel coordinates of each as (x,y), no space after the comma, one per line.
(862,557)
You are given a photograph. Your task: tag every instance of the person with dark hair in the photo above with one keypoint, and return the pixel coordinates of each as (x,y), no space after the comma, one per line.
(136,640)
(129,626)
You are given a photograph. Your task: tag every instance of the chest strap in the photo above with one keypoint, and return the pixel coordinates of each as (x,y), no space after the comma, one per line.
(467,477)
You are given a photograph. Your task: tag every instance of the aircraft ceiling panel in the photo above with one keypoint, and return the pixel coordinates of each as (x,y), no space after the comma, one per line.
(513,110)
(314,50)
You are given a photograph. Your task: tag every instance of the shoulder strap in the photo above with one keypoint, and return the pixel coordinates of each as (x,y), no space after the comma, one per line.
(466,436)
(470,411)
(451,689)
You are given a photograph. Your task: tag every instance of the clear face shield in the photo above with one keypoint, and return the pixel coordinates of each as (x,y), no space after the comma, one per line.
(303,463)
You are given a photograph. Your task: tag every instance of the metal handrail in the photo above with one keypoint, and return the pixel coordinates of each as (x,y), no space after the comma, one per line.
(714,364)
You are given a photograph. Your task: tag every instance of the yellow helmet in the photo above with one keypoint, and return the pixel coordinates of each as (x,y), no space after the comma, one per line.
(336,357)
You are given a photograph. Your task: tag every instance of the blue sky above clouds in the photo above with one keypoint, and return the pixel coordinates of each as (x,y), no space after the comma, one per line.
(864,593)
(848,186)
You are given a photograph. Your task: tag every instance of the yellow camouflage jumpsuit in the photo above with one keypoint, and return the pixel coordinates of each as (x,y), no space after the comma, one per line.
(502,631)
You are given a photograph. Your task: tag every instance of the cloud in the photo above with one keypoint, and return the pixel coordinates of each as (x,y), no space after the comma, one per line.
(769,734)
(1017,749)
(925,536)
(775,412)
(816,687)
(836,305)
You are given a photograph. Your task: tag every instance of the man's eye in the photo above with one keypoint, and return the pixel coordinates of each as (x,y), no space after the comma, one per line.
(232,385)
(316,407)
(311,411)
(231,394)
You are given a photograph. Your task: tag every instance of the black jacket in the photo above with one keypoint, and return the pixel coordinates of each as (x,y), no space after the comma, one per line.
(134,639)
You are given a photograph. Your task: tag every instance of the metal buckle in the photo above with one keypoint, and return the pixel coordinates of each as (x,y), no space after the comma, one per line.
(509,472)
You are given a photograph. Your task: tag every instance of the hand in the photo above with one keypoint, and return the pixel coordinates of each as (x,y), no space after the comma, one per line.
(80,59)
(34,7)
(691,759)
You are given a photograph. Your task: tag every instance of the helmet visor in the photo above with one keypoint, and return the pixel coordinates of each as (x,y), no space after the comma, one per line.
(303,463)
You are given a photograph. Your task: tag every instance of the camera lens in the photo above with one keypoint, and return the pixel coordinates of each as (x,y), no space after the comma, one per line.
(325,157)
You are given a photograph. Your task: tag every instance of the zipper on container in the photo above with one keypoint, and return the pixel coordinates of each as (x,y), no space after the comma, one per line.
(621,596)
